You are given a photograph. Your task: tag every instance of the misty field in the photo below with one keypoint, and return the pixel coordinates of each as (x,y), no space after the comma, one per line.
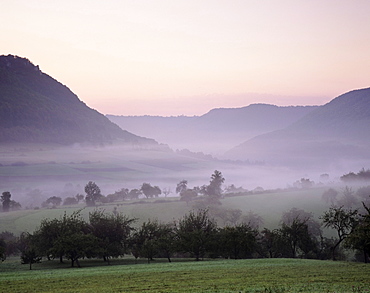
(258,275)
(270,206)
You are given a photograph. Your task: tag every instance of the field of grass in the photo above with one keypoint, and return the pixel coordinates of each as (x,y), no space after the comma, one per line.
(258,275)
(270,206)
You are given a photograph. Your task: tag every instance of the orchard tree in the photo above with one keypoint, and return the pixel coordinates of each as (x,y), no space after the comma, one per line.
(29,252)
(92,193)
(79,197)
(343,221)
(112,232)
(54,201)
(360,237)
(46,237)
(2,250)
(134,193)
(10,241)
(14,205)
(182,186)
(274,244)
(196,232)
(237,241)
(295,214)
(166,191)
(188,195)
(253,220)
(166,241)
(75,239)
(5,198)
(144,240)
(150,191)
(70,237)
(122,194)
(298,237)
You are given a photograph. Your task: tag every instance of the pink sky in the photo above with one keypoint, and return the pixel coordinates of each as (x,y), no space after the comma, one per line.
(187,57)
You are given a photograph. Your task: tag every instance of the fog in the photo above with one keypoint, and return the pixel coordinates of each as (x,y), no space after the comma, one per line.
(34,172)
(258,148)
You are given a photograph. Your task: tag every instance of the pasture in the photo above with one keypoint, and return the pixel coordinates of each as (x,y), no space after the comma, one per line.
(257,275)
(270,206)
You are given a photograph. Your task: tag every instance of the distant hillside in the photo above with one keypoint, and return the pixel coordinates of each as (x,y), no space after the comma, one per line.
(334,134)
(216,131)
(34,107)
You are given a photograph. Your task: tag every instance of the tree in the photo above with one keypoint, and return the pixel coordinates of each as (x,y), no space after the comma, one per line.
(14,205)
(10,241)
(237,241)
(342,220)
(166,241)
(304,183)
(70,201)
(5,198)
(360,237)
(134,193)
(297,236)
(330,196)
(274,244)
(70,237)
(150,191)
(2,250)
(122,194)
(92,193)
(196,232)
(214,189)
(166,191)
(348,198)
(29,253)
(182,186)
(53,201)
(253,220)
(46,236)
(75,239)
(295,214)
(112,231)
(79,197)
(144,241)
(188,195)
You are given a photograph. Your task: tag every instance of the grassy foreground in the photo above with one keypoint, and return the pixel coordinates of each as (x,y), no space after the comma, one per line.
(262,275)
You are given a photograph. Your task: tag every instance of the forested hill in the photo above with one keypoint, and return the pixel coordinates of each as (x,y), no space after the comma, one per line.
(34,107)
(216,131)
(335,133)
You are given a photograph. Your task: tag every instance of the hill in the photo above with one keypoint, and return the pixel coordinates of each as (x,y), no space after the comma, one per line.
(216,131)
(335,134)
(34,107)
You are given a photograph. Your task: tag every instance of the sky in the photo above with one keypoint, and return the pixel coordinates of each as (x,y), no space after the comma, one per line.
(187,57)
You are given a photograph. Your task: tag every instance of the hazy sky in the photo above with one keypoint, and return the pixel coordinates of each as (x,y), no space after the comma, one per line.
(187,57)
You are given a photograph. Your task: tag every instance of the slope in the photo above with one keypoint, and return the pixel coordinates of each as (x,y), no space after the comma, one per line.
(216,131)
(34,107)
(334,134)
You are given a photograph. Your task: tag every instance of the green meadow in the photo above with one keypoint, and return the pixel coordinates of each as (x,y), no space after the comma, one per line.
(257,275)
(270,206)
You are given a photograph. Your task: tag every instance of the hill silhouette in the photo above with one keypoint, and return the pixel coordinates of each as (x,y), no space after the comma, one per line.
(216,131)
(335,133)
(34,107)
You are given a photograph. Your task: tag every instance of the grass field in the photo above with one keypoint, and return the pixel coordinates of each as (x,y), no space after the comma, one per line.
(269,206)
(258,275)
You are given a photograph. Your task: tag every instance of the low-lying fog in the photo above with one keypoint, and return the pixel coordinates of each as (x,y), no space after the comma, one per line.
(33,173)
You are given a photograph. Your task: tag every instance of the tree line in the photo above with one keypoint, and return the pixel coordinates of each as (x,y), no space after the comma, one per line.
(196,235)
